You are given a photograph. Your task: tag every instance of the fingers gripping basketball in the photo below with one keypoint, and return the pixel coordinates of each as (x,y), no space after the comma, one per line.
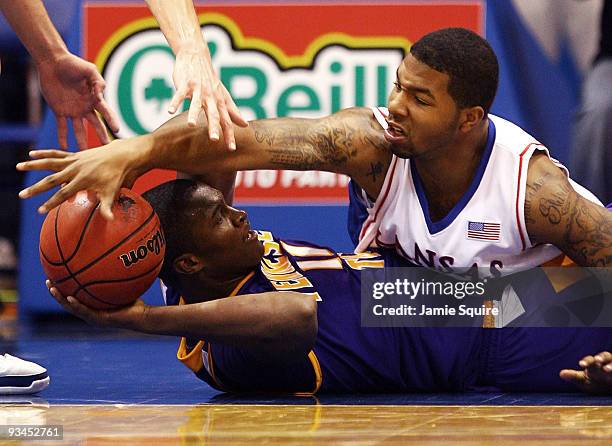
(104,264)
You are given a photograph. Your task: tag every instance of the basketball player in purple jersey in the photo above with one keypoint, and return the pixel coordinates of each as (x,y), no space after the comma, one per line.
(256,313)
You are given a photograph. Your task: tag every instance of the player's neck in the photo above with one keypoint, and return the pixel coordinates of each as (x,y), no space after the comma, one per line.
(447,175)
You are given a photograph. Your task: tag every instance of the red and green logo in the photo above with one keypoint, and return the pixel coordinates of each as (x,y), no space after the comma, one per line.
(275,60)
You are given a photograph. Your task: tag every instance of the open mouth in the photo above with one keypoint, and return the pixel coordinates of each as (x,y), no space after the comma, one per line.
(251,235)
(394,133)
(395,129)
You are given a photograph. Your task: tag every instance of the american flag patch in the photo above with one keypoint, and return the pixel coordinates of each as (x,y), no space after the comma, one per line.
(478,230)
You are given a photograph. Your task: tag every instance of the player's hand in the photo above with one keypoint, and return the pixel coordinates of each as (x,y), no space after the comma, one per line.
(103,170)
(129,317)
(195,78)
(73,89)
(595,376)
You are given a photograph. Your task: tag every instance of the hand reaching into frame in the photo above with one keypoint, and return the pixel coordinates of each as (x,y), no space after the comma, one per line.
(103,169)
(195,78)
(73,89)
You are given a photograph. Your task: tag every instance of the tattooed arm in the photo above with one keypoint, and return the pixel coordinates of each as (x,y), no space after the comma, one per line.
(555,213)
(348,142)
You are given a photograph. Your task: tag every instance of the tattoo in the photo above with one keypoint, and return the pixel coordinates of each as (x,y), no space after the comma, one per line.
(589,232)
(375,169)
(261,136)
(531,191)
(585,227)
(330,143)
(557,205)
(301,146)
(293,159)
(375,138)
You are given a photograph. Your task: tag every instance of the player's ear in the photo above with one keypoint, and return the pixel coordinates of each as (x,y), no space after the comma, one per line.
(470,118)
(188,264)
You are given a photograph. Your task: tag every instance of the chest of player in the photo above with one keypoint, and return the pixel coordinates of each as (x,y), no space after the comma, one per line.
(484,229)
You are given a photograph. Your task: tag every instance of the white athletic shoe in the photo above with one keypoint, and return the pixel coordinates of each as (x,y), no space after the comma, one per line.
(18,376)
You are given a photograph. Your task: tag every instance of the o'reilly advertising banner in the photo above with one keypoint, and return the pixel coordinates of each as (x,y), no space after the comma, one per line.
(306,60)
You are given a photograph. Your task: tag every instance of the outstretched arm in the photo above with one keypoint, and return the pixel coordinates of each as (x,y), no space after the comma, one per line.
(347,142)
(194,76)
(274,325)
(555,213)
(71,86)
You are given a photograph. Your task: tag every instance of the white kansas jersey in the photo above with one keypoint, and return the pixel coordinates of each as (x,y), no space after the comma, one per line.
(485,229)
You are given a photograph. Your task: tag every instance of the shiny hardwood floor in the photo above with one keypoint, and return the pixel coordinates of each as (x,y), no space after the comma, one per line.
(95,425)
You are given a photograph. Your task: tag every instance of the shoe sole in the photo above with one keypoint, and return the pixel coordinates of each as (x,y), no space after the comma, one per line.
(36,386)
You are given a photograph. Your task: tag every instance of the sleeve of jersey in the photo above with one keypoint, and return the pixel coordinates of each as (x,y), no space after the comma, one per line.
(234,369)
(357,212)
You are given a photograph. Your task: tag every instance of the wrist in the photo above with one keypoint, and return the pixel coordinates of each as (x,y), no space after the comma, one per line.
(194,44)
(139,157)
(152,320)
(52,55)
(141,323)
(135,318)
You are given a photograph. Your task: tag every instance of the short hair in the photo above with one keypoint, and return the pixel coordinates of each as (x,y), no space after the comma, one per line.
(469,61)
(169,201)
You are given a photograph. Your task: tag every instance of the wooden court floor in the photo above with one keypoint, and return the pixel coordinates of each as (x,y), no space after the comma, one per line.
(315,424)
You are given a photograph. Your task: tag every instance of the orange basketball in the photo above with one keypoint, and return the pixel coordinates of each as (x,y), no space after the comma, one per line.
(104,264)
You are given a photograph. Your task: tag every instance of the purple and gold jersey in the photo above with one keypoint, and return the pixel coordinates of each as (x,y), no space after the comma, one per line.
(346,356)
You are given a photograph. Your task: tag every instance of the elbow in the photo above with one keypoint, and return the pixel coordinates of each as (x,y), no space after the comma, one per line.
(297,329)
(308,322)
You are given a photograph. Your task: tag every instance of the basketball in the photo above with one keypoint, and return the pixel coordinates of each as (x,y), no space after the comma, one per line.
(104,264)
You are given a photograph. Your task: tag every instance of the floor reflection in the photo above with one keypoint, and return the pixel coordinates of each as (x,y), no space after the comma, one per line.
(314,424)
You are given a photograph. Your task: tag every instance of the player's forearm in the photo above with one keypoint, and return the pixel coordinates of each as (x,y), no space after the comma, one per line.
(30,21)
(178,21)
(178,146)
(274,322)
(283,143)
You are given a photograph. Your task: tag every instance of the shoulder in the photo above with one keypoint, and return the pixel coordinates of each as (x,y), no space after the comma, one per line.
(544,171)
(546,194)
(349,129)
(359,135)
(511,138)
(542,166)
(361,118)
